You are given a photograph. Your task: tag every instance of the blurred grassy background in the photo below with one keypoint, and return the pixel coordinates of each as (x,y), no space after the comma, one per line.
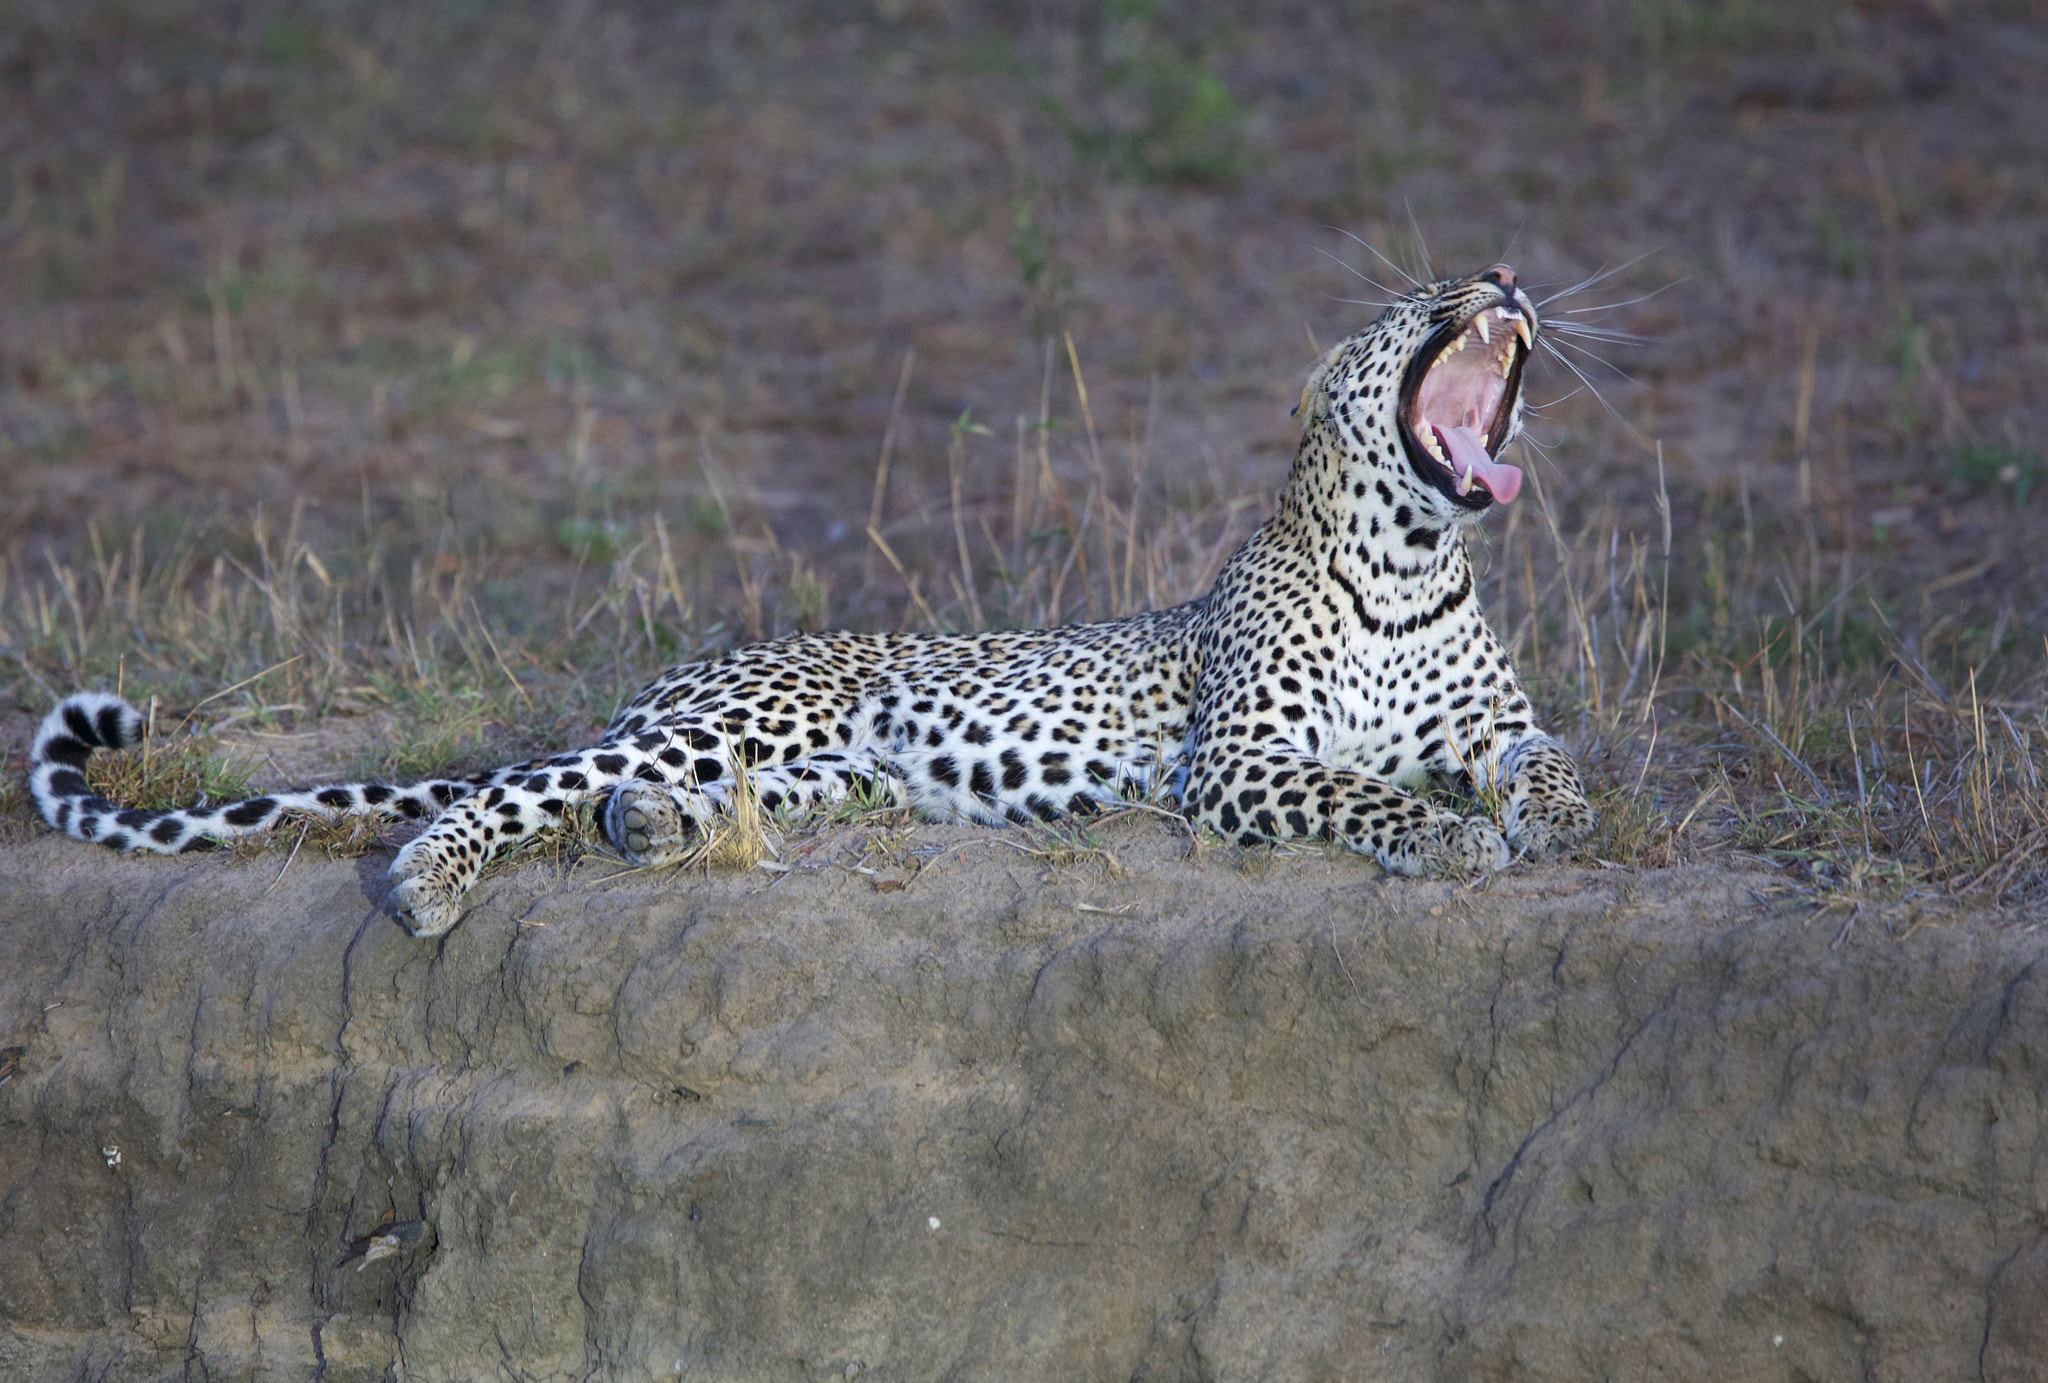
(480,358)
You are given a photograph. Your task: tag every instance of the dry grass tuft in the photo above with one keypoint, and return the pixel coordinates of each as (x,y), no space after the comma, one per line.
(169,771)
(740,836)
(339,837)
(1065,844)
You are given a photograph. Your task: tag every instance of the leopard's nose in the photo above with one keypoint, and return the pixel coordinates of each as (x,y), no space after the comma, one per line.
(1503,277)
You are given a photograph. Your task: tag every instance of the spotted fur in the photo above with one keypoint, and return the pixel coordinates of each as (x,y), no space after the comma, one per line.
(1340,662)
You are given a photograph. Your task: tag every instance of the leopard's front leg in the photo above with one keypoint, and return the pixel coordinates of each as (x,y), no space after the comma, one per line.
(1268,792)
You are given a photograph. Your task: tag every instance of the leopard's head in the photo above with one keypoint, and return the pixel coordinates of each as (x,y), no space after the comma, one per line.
(1430,394)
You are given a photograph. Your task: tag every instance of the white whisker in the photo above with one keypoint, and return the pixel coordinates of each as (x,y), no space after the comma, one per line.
(1421,245)
(1562,359)
(1592,333)
(1539,407)
(1509,253)
(1542,451)
(1601,277)
(1381,258)
(1609,307)
(1604,363)
(1360,274)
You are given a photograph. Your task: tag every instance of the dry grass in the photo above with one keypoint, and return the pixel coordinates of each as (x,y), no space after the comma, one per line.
(1064,844)
(469,366)
(171,770)
(1858,768)
(740,836)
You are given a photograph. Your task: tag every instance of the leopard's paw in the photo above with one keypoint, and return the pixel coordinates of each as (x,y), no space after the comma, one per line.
(646,824)
(1547,812)
(426,900)
(1449,845)
(1474,845)
(1540,827)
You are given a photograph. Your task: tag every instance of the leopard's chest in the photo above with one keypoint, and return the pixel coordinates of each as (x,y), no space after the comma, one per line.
(1381,700)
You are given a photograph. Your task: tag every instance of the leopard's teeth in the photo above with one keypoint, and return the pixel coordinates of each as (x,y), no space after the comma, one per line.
(1522,330)
(1430,444)
(1479,325)
(1466,482)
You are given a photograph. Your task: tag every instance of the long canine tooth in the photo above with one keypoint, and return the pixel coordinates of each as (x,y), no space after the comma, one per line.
(1522,330)
(1465,482)
(1480,323)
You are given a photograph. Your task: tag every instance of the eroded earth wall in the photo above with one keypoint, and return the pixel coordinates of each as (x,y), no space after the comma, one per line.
(1200,1119)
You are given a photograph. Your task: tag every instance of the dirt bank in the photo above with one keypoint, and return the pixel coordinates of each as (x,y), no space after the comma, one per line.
(1218,1118)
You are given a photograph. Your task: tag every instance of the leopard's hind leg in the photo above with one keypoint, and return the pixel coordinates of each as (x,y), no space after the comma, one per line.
(661,784)
(655,823)
(509,806)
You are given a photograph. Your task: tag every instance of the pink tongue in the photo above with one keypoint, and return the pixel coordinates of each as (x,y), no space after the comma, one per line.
(1468,453)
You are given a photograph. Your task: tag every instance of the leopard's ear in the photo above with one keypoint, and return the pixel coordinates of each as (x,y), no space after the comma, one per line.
(1315,401)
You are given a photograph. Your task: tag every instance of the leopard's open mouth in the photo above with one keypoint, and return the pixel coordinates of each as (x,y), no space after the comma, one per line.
(1458,403)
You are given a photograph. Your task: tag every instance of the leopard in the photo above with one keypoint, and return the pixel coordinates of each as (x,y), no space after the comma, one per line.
(1336,675)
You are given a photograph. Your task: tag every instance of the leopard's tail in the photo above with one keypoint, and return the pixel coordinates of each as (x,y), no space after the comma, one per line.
(95,720)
